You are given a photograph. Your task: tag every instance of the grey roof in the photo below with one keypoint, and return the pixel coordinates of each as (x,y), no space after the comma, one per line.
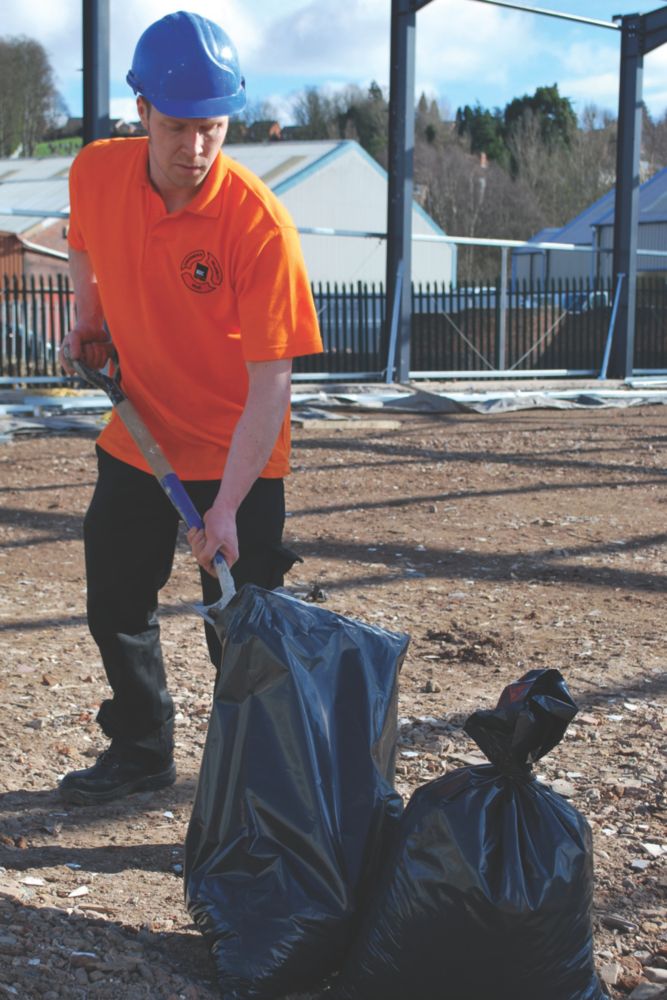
(40,185)
(277,162)
(37,185)
(652,208)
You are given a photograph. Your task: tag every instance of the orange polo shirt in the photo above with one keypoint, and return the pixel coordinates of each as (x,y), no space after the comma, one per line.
(189,298)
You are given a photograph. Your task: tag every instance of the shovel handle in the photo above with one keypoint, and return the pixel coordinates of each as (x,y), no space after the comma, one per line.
(150,449)
(176,492)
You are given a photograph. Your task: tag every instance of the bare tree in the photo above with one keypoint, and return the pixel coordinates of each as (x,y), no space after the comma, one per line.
(655,142)
(470,196)
(28,98)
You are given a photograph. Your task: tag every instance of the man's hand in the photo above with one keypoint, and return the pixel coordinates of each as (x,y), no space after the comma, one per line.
(91,346)
(255,435)
(219,533)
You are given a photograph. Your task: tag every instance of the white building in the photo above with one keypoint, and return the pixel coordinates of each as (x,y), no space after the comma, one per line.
(337,185)
(331,185)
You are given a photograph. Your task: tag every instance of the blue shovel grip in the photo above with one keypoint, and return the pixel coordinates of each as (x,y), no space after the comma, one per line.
(175,490)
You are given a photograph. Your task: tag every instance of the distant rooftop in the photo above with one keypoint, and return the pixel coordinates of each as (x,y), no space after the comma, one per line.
(652,208)
(34,184)
(42,184)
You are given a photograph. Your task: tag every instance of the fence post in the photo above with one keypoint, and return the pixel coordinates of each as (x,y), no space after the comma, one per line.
(502,333)
(395,315)
(610,334)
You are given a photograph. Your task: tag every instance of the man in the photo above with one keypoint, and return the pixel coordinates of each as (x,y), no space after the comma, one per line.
(186,266)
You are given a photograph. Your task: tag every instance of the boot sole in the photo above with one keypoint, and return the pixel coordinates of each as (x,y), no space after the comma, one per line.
(145,783)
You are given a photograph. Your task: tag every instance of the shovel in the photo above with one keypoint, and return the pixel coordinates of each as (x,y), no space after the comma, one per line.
(163,472)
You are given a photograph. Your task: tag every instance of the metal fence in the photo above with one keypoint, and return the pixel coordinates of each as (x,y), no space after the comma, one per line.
(532,329)
(35,314)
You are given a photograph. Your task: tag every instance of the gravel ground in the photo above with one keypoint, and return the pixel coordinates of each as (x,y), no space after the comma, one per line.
(499,543)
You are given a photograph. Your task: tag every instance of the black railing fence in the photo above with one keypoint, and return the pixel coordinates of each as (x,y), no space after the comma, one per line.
(557,328)
(35,313)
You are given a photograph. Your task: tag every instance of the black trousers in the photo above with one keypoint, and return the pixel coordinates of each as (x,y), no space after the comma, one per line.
(130,533)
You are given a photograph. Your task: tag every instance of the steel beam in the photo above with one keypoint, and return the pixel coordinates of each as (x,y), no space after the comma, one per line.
(639,34)
(400,177)
(96,123)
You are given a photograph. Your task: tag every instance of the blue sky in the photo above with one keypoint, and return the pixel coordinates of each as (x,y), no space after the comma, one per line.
(467,51)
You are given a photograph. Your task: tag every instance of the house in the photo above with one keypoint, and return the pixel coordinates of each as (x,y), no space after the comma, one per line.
(27,239)
(593,230)
(331,185)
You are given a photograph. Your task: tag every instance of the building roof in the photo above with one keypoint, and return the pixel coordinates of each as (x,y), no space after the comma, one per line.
(652,201)
(37,185)
(277,162)
(41,185)
(652,208)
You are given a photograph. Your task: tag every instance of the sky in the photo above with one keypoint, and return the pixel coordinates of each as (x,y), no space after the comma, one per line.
(467,51)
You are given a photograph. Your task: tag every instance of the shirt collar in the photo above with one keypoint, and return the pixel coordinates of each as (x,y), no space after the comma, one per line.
(205,202)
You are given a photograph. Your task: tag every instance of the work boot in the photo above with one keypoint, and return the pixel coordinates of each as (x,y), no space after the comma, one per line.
(115,774)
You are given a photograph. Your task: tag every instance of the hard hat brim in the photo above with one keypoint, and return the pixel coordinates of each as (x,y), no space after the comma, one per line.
(213,107)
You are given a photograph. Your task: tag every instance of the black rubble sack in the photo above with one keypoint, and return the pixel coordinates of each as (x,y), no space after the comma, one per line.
(487,888)
(295,792)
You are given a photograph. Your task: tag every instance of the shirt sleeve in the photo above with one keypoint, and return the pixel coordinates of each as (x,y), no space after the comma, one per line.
(74,235)
(276,309)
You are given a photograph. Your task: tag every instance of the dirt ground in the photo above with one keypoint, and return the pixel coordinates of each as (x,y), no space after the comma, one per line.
(500,543)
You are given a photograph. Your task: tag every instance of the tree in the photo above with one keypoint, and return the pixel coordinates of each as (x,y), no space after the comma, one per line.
(29,101)
(429,124)
(484,131)
(366,118)
(654,135)
(315,115)
(470,196)
(554,115)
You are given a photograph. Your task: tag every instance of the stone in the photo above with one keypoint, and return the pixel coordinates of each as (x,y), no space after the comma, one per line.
(647,991)
(611,973)
(564,788)
(617,923)
(655,975)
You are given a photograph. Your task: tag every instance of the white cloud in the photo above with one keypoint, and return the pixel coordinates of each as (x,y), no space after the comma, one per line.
(471,42)
(591,75)
(466,51)
(596,88)
(57,26)
(123,107)
(327,37)
(655,81)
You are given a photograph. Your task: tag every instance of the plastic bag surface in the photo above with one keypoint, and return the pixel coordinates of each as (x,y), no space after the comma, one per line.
(487,890)
(295,792)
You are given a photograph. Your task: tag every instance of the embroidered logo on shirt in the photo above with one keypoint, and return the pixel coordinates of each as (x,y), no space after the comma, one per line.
(201,271)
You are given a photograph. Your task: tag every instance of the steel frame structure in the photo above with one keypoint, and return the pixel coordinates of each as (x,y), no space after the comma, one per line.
(96,121)
(640,34)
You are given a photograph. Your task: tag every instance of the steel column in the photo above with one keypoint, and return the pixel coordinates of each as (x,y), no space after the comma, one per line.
(640,35)
(400,179)
(626,212)
(96,124)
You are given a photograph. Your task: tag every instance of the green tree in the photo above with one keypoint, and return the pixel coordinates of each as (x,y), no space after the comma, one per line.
(429,125)
(484,131)
(555,116)
(29,101)
(365,117)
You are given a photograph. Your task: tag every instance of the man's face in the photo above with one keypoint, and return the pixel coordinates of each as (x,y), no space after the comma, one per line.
(180,150)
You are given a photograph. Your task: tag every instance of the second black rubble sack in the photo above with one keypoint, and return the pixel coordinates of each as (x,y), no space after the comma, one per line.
(295,792)
(487,889)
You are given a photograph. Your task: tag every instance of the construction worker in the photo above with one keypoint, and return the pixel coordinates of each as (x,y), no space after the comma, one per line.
(186,266)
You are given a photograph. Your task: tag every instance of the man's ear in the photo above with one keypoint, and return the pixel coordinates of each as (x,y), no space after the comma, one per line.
(143,108)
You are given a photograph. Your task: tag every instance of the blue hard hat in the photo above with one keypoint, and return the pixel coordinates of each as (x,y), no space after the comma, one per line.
(187,67)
